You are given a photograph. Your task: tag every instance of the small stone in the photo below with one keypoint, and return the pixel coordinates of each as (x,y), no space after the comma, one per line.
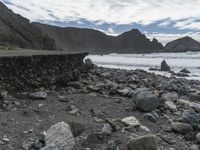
(183,102)
(170,105)
(38,95)
(198,137)
(5,139)
(123,92)
(40,105)
(130,121)
(150,117)
(148,142)
(194,147)
(182,127)
(106,130)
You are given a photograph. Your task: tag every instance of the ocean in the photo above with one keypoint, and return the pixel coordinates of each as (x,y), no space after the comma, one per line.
(177,61)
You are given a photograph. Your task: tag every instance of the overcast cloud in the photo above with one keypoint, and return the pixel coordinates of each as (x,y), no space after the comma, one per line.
(179,15)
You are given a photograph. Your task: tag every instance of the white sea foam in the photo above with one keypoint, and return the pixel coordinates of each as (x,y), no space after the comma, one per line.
(177,61)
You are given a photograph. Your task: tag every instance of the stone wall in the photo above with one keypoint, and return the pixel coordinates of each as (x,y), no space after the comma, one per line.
(29,72)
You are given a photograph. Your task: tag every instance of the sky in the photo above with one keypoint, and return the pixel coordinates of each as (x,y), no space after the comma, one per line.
(165,20)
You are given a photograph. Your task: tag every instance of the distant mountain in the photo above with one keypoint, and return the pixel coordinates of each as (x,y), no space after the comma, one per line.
(18,32)
(183,45)
(76,39)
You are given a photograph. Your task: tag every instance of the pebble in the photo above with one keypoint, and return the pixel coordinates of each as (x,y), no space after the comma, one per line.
(131,121)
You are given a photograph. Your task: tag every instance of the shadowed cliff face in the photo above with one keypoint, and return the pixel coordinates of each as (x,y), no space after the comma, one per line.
(17,31)
(183,44)
(96,42)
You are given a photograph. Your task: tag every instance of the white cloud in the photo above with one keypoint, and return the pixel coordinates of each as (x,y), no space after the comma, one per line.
(112,11)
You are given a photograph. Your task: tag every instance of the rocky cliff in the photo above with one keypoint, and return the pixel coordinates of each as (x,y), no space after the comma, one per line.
(183,45)
(18,32)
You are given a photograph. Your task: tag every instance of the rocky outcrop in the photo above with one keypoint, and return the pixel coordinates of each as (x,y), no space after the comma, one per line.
(16,31)
(183,45)
(96,42)
(164,66)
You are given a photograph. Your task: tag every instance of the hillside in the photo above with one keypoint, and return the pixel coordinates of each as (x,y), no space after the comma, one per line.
(94,41)
(183,45)
(18,32)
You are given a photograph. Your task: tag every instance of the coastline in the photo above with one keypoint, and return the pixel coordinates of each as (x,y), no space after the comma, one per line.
(103,97)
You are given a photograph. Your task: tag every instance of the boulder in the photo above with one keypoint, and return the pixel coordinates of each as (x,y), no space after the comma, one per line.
(182,127)
(38,95)
(145,100)
(58,137)
(148,142)
(131,121)
(165,66)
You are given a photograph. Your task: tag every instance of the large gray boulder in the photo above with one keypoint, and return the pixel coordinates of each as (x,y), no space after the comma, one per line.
(59,137)
(145,100)
(148,142)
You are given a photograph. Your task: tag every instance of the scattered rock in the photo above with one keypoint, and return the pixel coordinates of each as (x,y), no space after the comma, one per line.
(88,64)
(198,137)
(165,66)
(130,121)
(148,142)
(111,145)
(169,97)
(123,92)
(58,137)
(150,117)
(181,74)
(195,106)
(170,105)
(185,71)
(106,130)
(38,95)
(146,101)
(182,127)
(191,117)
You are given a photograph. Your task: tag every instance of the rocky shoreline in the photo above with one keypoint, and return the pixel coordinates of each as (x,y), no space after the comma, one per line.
(106,109)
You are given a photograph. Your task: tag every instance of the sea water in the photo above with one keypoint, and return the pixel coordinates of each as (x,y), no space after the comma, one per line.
(177,61)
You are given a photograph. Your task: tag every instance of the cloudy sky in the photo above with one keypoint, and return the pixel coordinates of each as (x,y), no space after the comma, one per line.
(163,19)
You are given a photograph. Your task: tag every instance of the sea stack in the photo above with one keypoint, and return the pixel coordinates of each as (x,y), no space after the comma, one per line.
(165,66)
